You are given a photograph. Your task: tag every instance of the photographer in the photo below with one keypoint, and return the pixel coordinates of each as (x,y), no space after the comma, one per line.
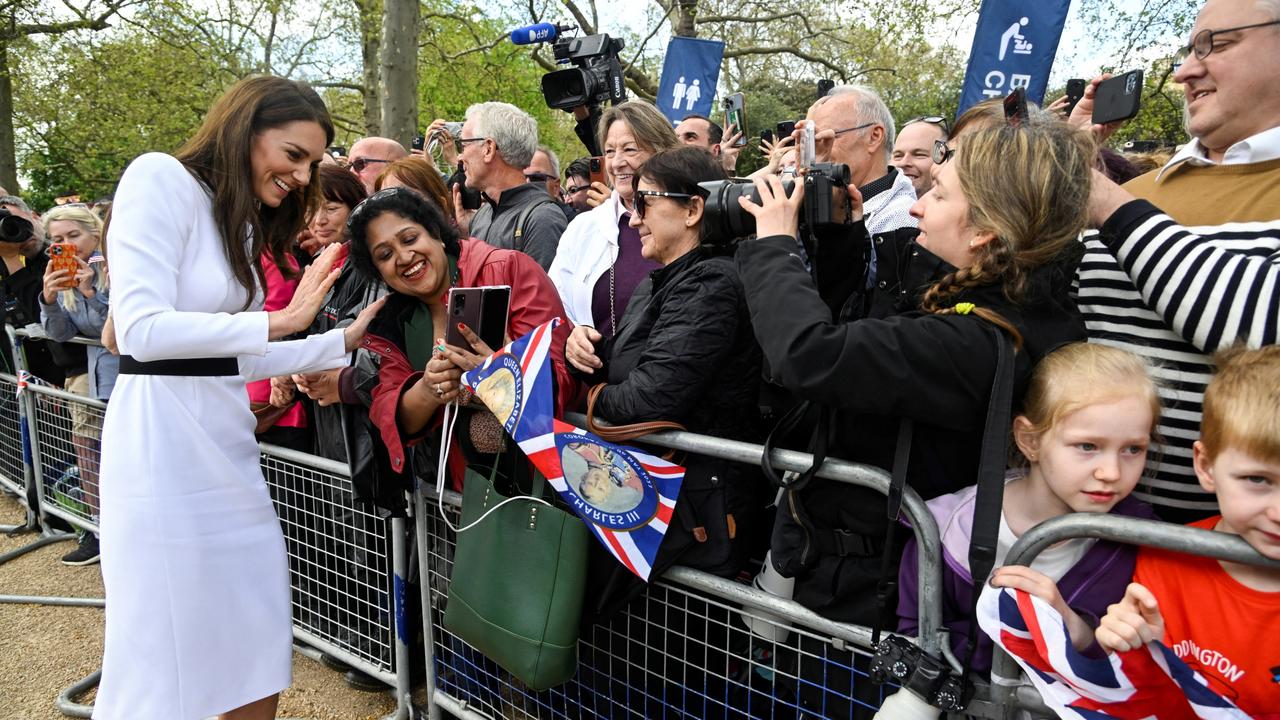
(994,248)
(22,281)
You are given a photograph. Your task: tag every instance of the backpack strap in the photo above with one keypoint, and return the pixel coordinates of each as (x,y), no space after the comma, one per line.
(518,237)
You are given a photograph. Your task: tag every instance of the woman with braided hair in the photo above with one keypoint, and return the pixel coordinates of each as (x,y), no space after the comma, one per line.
(996,247)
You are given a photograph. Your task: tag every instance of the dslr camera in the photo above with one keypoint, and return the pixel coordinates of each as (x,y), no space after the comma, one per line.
(15,228)
(826,202)
(596,77)
(899,660)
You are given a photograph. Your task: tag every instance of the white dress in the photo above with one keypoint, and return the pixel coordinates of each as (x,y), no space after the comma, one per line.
(193,558)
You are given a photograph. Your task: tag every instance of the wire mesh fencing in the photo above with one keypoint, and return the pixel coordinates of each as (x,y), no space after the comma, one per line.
(68,452)
(339,562)
(12,462)
(676,652)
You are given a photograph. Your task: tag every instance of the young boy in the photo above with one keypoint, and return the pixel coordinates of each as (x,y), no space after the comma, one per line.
(1222,618)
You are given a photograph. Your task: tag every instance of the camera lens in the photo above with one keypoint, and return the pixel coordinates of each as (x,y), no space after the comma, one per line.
(724,217)
(567,89)
(14,229)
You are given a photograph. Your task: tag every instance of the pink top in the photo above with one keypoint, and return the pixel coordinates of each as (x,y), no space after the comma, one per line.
(279,293)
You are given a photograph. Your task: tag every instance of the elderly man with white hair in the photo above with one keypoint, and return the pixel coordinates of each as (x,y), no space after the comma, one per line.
(498,141)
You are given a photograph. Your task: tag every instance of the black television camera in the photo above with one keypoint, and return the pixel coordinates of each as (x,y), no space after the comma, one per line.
(826,202)
(15,228)
(899,660)
(597,76)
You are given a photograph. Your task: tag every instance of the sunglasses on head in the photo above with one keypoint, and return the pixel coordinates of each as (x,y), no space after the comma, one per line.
(360,163)
(932,120)
(1015,108)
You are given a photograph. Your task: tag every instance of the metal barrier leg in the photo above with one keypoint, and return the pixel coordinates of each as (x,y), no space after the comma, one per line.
(400,573)
(424,573)
(66,702)
(46,539)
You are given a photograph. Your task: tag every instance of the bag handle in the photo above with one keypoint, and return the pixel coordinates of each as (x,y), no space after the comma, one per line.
(623,433)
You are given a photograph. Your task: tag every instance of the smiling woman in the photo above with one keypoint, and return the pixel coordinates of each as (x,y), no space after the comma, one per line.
(193,554)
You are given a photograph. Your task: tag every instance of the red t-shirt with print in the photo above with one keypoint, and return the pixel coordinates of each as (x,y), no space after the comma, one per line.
(1227,632)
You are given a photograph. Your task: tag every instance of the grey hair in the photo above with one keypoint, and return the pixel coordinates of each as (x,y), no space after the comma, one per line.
(551,155)
(870,108)
(15,201)
(1271,7)
(513,130)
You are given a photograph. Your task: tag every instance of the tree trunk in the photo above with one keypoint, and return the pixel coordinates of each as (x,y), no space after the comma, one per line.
(686,10)
(400,70)
(370,44)
(8,151)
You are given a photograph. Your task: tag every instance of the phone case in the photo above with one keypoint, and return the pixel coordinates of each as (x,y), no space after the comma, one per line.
(1117,99)
(62,256)
(483,309)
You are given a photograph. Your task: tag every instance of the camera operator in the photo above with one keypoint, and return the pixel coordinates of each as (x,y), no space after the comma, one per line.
(498,141)
(996,241)
(22,280)
(855,127)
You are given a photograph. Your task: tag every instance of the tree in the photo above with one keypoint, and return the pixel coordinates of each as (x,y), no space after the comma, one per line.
(399,69)
(22,19)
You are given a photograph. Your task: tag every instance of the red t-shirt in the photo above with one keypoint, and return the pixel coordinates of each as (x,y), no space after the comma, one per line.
(1227,632)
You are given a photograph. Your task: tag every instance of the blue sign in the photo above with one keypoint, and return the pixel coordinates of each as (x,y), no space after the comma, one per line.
(689,76)
(1013,48)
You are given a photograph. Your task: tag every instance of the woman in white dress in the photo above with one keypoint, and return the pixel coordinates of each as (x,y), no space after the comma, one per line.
(198,617)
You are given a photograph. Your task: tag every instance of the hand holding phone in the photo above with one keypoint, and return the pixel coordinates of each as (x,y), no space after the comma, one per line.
(595,168)
(483,310)
(766,136)
(1118,98)
(1075,91)
(735,115)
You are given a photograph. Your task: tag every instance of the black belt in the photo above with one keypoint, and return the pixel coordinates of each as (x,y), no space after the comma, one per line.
(185,367)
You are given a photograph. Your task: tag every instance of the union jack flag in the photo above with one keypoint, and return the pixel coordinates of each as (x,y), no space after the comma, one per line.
(625,495)
(1149,683)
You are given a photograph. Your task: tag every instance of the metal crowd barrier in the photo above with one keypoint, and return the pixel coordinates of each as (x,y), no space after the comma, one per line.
(1013,692)
(347,566)
(683,649)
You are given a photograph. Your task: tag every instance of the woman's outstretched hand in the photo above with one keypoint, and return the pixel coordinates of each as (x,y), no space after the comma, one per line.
(776,214)
(316,281)
(355,332)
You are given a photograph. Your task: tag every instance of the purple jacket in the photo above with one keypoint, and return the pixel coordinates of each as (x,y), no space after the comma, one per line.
(1095,582)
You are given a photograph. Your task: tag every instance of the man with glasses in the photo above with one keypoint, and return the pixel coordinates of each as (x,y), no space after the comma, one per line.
(855,127)
(913,150)
(545,169)
(370,156)
(497,144)
(1193,266)
(577,178)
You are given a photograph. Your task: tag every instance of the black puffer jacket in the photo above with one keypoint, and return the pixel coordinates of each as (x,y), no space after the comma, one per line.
(898,362)
(685,352)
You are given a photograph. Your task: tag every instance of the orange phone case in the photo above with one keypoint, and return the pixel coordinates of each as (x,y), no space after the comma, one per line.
(63,257)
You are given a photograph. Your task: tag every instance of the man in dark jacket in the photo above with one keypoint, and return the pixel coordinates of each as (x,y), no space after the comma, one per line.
(21,281)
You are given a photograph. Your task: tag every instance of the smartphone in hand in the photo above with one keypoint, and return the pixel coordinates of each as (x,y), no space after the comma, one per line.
(1118,98)
(735,114)
(483,309)
(62,256)
(1075,91)
(595,168)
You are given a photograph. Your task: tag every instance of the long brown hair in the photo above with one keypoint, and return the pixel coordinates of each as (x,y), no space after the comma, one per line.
(1029,186)
(419,174)
(219,155)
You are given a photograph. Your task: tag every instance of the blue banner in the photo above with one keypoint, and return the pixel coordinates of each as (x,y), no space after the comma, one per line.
(689,76)
(1013,48)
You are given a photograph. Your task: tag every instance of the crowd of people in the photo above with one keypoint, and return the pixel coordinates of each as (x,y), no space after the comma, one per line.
(1004,250)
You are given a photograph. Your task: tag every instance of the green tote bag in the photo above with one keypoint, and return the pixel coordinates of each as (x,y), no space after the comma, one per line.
(518,582)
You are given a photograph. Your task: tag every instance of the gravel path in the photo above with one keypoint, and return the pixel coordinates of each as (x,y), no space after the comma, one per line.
(44,649)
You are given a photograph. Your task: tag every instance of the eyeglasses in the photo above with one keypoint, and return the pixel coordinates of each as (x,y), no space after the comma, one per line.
(1203,46)
(538,177)
(461,142)
(942,152)
(642,194)
(360,163)
(863,126)
(932,120)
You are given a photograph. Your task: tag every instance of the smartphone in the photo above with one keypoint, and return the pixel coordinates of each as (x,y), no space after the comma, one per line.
(808,149)
(62,256)
(483,309)
(1118,98)
(766,136)
(419,141)
(735,114)
(470,196)
(1075,91)
(595,168)
(824,87)
(785,128)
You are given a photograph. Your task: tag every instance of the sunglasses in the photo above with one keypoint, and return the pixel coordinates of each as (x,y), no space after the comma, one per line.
(641,202)
(360,163)
(932,120)
(538,177)
(1015,108)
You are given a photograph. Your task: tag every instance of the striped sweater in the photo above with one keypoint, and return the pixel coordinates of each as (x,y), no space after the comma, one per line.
(1177,293)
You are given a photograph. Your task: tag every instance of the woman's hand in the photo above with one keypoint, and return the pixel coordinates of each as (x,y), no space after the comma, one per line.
(282,391)
(775,151)
(448,151)
(1059,106)
(354,333)
(463,358)
(321,386)
(580,349)
(598,193)
(1037,584)
(441,378)
(84,278)
(316,281)
(776,214)
(55,281)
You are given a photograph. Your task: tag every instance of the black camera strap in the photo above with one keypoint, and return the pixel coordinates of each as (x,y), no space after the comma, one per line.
(888,583)
(989,501)
(817,445)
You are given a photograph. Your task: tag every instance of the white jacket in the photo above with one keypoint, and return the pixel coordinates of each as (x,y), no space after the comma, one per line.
(587,250)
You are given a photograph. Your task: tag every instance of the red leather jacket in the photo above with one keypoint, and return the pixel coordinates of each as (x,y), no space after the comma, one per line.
(534,301)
